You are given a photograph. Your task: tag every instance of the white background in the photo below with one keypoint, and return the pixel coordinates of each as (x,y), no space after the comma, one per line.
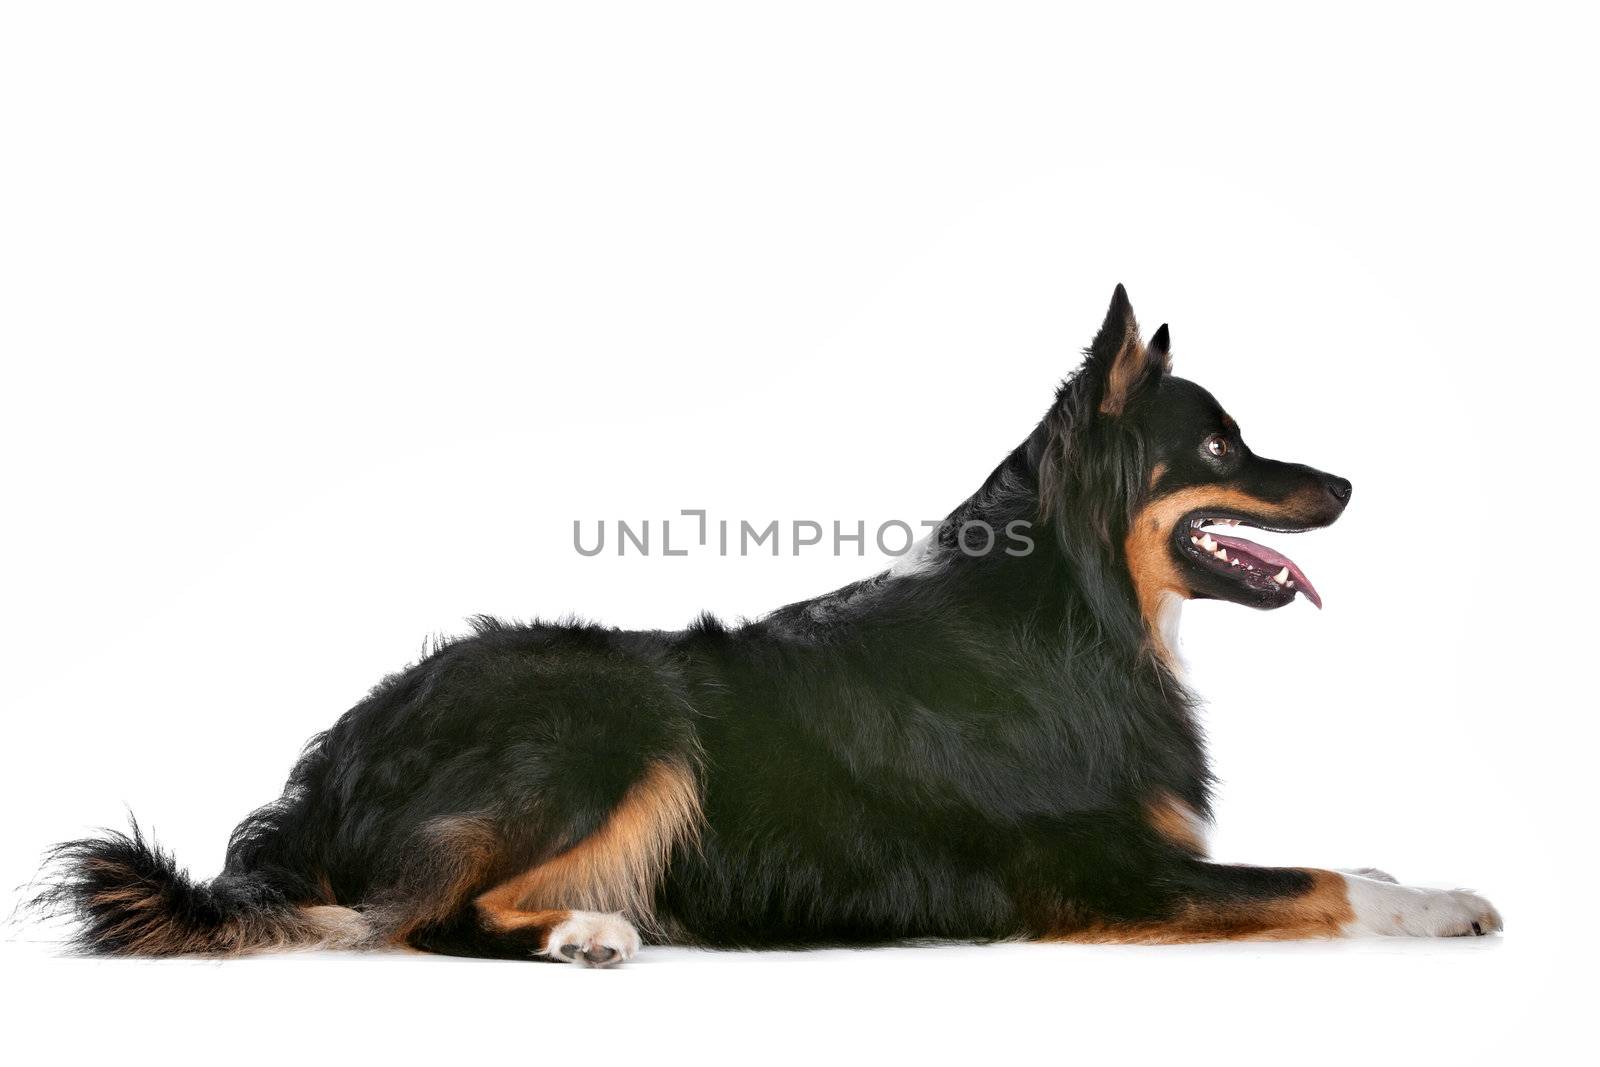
(322,322)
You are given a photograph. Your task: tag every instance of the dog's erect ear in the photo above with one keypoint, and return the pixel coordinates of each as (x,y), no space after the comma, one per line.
(1160,350)
(1122,363)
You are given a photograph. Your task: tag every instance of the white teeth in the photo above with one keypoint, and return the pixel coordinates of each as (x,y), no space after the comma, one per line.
(1194,540)
(1282,576)
(1235,562)
(1288,585)
(1221,554)
(1208,544)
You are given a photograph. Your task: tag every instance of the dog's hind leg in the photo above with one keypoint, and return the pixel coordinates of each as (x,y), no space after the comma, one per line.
(588,938)
(581,904)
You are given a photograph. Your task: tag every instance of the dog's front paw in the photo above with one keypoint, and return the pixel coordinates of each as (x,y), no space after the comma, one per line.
(1409,911)
(592,939)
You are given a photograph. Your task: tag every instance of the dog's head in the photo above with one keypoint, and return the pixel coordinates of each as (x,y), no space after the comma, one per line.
(1161,473)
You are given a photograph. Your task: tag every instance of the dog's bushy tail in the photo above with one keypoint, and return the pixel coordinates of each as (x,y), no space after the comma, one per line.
(129,898)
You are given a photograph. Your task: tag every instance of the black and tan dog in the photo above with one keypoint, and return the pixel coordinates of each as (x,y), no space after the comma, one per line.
(978,744)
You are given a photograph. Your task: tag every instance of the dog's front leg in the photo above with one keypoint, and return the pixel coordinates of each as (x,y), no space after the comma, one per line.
(1382,906)
(1200,901)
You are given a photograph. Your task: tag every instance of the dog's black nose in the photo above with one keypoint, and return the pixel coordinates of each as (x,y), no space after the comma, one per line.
(1339,487)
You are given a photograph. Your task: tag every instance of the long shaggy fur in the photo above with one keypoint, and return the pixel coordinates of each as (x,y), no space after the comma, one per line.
(970,747)
(128,897)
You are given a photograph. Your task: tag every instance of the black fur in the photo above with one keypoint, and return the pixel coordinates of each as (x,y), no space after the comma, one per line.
(967,751)
(130,897)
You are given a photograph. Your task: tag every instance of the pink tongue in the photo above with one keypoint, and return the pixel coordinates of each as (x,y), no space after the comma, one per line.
(1274,560)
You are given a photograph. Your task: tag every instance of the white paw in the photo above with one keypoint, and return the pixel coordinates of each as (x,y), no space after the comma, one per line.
(1408,911)
(1370,872)
(593,939)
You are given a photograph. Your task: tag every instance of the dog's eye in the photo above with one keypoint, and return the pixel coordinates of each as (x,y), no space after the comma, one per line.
(1217,445)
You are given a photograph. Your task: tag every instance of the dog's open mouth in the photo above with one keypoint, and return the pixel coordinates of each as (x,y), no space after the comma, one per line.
(1257,567)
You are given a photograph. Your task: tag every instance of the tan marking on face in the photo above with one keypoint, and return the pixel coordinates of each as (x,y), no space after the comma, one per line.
(1148,545)
(1322,911)
(1175,821)
(618,867)
(1156,474)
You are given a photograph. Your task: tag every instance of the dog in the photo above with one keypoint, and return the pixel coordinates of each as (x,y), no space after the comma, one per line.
(978,744)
